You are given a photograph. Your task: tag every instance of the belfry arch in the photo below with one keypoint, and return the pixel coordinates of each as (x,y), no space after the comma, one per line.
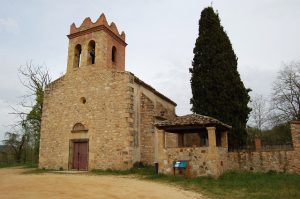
(77,56)
(91,52)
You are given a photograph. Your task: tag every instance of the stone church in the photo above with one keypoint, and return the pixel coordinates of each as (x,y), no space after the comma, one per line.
(98,115)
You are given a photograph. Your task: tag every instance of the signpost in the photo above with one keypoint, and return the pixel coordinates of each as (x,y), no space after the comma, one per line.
(181,165)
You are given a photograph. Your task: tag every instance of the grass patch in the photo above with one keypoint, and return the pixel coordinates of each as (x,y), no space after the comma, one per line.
(270,185)
(24,165)
(36,171)
(31,168)
(143,171)
(231,185)
(31,165)
(9,165)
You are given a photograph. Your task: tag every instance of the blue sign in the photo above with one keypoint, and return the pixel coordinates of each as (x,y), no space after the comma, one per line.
(180,164)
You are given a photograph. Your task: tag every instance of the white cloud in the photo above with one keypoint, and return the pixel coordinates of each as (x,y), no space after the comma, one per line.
(8,25)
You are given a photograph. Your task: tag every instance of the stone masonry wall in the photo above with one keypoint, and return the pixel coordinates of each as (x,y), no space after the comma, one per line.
(106,114)
(147,107)
(148,111)
(222,159)
(277,160)
(147,130)
(197,157)
(260,161)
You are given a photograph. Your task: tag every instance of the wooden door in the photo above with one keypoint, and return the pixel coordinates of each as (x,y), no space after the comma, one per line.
(80,155)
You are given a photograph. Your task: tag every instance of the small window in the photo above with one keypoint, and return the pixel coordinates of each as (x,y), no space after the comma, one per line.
(113,54)
(77,56)
(83,100)
(91,52)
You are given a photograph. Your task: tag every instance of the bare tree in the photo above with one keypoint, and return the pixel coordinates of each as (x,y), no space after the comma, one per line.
(286,93)
(15,142)
(259,116)
(34,78)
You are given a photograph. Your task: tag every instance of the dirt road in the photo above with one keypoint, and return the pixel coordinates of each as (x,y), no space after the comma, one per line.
(14,184)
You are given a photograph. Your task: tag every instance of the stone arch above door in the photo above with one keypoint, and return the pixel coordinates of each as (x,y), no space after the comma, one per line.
(79,127)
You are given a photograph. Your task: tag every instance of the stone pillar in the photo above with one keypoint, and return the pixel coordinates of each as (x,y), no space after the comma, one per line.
(224,139)
(295,133)
(212,156)
(159,156)
(156,145)
(257,144)
(211,131)
(82,58)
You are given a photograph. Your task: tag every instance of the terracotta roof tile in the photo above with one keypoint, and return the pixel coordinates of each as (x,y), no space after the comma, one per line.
(191,120)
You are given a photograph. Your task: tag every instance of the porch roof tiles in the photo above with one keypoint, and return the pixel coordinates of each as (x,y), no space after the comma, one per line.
(191,121)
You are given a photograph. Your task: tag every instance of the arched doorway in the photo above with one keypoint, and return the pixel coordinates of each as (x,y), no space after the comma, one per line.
(79,148)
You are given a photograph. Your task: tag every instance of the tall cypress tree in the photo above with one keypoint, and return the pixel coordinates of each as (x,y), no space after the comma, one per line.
(216,84)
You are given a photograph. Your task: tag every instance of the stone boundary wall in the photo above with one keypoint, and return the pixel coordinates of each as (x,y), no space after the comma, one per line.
(277,160)
(281,161)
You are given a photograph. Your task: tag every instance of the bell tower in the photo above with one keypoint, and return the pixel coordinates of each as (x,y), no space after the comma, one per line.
(96,45)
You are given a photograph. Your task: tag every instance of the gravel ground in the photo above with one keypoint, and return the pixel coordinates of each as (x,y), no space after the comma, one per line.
(14,184)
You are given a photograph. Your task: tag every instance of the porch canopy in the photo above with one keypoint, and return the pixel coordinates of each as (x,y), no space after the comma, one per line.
(191,122)
(210,130)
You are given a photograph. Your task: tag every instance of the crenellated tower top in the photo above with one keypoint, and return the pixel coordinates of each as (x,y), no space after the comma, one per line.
(88,26)
(97,43)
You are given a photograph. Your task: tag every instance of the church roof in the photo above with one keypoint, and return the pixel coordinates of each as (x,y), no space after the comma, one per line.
(142,83)
(191,121)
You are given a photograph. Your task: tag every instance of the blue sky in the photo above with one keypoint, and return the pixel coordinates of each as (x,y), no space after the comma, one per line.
(160,34)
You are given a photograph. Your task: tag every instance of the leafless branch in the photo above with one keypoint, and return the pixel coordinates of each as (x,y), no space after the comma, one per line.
(286,93)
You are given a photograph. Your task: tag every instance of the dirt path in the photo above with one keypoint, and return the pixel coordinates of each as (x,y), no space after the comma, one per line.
(15,185)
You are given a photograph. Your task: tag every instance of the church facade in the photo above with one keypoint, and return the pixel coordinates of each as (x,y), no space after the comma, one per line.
(99,116)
